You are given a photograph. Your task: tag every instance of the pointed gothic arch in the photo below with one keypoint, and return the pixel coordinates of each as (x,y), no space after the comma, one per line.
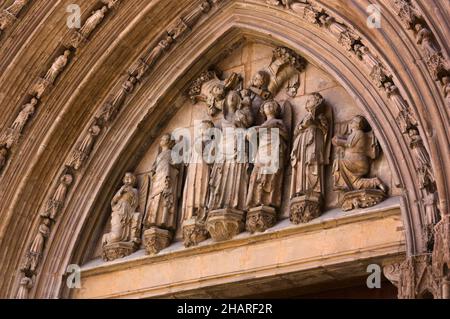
(148,108)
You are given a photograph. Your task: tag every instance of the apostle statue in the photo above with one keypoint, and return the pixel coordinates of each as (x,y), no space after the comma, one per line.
(310,153)
(56,203)
(21,120)
(122,240)
(194,207)
(352,167)
(229,176)
(36,250)
(84,148)
(93,21)
(57,67)
(161,218)
(266,180)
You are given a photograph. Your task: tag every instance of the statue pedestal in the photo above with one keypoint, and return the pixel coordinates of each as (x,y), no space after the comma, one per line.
(260,218)
(194,232)
(224,224)
(305,208)
(156,239)
(74,39)
(118,250)
(40,87)
(362,199)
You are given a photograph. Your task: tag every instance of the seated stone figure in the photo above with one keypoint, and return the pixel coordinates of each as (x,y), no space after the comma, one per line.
(124,237)
(352,167)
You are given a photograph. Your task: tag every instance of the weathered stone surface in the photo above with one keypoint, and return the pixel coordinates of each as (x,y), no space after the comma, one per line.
(224,224)
(156,239)
(106,92)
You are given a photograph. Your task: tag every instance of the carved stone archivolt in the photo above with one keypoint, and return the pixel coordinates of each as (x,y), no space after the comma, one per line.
(10,14)
(223,217)
(413,20)
(112,107)
(44,84)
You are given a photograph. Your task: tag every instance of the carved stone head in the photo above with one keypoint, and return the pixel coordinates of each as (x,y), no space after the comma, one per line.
(271,108)
(166,141)
(358,122)
(129,179)
(66,179)
(94,130)
(418,27)
(34,101)
(260,80)
(313,103)
(233,102)
(165,43)
(218,91)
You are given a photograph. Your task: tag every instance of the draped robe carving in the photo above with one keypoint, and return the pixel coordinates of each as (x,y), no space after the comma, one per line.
(124,237)
(194,207)
(229,176)
(267,175)
(352,167)
(310,153)
(266,180)
(162,202)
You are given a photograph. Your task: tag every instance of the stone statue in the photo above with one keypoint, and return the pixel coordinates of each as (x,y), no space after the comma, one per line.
(394,94)
(258,91)
(34,254)
(194,207)
(112,107)
(352,167)
(293,85)
(27,111)
(57,67)
(158,50)
(56,203)
(85,147)
(229,177)
(161,218)
(310,153)
(446,86)
(426,178)
(266,180)
(216,99)
(93,21)
(19,123)
(423,38)
(121,241)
